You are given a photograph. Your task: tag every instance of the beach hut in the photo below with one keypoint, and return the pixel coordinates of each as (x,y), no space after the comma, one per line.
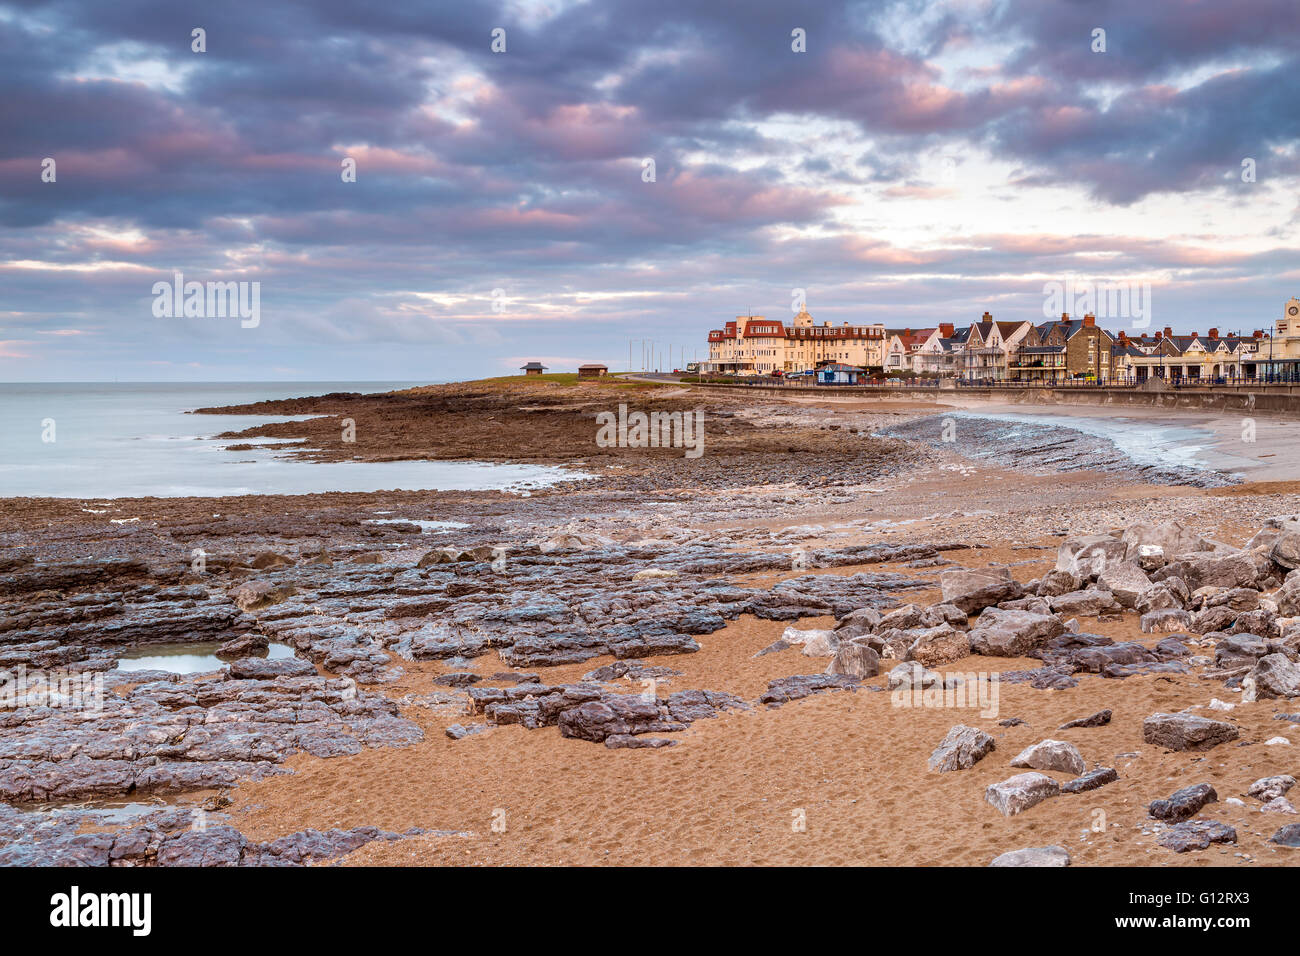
(593,370)
(838,374)
(533,368)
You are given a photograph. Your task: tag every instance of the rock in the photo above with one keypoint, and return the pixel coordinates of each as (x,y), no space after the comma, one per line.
(255,595)
(1186,731)
(1239,650)
(867,617)
(1095,660)
(1099,719)
(1126,581)
(785,689)
(1093,602)
(1017,794)
(461,731)
(1270,788)
(912,675)
(999,633)
(1167,619)
(1058,582)
(1184,803)
(621,741)
(937,614)
(368,557)
(269,560)
(1277,805)
(1288,835)
(1090,780)
(855,660)
(961,749)
(821,644)
(1196,835)
(457,679)
(1149,557)
(1273,677)
(1240,569)
(1051,755)
(774,647)
(1158,597)
(652,574)
(1170,648)
(1090,555)
(1171,537)
(247,645)
(1277,742)
(972,590)
(260,668)
(1034,856)
(1286,549)
(939,645)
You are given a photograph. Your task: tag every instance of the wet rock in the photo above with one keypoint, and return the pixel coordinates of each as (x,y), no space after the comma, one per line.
(1090,780)
(1000,633)
(1034,856)
(1051,755)
(1099,719)
(961,749)
(1186,731)
(1184,803)
(245,646)
(1017,794)
(1196,835)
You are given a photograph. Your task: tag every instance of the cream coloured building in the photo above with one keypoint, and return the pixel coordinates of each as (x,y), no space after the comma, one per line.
(754,345)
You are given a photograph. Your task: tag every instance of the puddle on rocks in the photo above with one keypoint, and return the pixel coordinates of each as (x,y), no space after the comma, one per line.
(197,657)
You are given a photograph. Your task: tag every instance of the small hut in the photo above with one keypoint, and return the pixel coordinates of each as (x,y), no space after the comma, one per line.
(593,370)
(533,368)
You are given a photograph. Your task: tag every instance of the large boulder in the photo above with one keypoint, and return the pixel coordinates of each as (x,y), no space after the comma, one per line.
(1170,536)
(255,595)
(1056,582)
(973,589)
(1166,620)
(1051,755)
(999,633)
(1157,597)
(939,645)
(961,749)
(1186,731)
(1089,555)
(1270,788)
(1286,549)
(866,617)
(1093,602)
(1239,569)
(1017,794)
(1274,676)
(855,659)
(1126,581)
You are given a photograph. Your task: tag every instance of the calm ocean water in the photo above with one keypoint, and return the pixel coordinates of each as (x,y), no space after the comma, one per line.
(134,440)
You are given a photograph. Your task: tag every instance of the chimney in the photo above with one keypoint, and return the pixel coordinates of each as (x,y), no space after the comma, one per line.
(1123,337)
(946,330)
(1089,320)
(907,333)
(1168,331)
(1259,334)
(1159,336)
(1214,333)
(988,317)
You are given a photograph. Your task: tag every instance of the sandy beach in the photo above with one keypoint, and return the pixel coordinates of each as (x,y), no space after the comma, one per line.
(791,494)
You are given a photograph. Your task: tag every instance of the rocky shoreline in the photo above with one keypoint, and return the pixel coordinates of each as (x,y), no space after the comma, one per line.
(432,631)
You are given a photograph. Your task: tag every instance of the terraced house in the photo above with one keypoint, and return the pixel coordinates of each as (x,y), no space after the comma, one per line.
(1211,358)
(1064,350)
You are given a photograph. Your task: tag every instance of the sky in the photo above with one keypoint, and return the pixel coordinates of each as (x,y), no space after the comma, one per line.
(914,163)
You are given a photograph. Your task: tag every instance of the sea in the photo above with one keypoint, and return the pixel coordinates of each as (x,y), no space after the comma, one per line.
(135,439)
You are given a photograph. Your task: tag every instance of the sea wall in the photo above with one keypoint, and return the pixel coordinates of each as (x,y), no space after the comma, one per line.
(1283,400)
